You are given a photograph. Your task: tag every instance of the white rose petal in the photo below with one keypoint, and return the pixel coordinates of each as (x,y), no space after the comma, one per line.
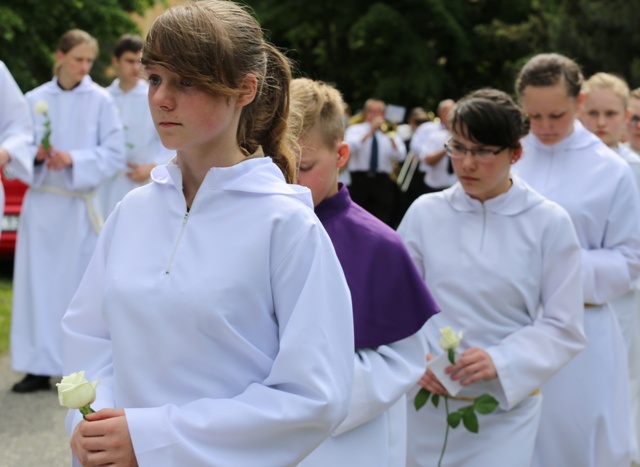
(41,107)
(449,339)
(74,391)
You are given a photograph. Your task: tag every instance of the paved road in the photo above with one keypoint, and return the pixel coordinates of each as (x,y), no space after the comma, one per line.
(31,425)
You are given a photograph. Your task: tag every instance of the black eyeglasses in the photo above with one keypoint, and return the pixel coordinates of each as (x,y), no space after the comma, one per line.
(458,151)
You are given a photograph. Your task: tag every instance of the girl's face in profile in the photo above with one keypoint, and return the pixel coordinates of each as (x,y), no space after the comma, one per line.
(189,119)
(603,114)
(551,111)
(485,174)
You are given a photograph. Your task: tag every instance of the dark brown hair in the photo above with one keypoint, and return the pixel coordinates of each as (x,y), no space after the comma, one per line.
(216,44)
(490,117)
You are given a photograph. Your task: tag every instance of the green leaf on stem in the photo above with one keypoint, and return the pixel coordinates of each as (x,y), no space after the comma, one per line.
(435,400)
(485,404)
(421,398)
(470,420)
(452,355)
(453,419)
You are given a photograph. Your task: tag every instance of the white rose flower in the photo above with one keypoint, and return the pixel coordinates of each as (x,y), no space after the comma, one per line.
(75,392)
(41,107)
(449,340)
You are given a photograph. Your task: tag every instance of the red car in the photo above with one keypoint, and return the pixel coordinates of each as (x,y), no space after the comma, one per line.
(14,191)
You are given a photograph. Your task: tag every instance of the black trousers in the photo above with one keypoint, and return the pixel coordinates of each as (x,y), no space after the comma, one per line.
(376,193)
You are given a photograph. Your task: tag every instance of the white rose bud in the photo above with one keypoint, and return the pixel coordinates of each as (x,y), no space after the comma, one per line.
(75,392)
(449,340)
(41,107)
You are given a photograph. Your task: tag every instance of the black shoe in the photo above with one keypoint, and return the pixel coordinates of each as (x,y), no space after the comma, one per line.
(32,383)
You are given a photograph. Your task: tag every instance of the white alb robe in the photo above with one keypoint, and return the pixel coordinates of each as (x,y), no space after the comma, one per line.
(506,273)
(376,411)
(627,310)
(585,418)
(141,138)
(16,130)
(226,332)
(56,234)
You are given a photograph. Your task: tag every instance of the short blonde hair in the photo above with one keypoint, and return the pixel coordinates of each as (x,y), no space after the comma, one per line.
(608,81)
(316,102)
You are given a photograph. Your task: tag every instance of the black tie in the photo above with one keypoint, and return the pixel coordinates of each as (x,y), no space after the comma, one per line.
(373,164)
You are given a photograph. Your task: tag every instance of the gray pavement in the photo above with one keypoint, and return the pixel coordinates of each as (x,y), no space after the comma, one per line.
(31,425)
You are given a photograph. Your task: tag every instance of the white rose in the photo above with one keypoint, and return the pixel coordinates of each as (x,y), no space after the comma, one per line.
(41,107)
(449,340)
(75,392)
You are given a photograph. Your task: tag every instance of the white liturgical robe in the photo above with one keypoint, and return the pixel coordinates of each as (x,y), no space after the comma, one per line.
(225,331)
(585,418)
(506,273)
(143,143)
(60,218)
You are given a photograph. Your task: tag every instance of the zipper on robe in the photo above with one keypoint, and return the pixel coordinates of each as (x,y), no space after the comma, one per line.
(175,248)
(484,226)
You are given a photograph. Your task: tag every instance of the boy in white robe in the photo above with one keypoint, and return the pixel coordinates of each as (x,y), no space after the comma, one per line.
(144,148)
(390,301)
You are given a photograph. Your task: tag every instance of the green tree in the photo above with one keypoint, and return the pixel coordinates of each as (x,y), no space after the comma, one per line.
(601,35)
(407,52)
(30,30)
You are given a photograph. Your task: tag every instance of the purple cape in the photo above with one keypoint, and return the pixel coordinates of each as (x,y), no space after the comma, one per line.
(390,298)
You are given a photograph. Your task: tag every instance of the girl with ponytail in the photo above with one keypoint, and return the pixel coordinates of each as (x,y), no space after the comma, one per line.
(214,311)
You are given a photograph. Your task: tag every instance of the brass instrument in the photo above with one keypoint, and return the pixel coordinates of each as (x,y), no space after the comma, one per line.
(387,127)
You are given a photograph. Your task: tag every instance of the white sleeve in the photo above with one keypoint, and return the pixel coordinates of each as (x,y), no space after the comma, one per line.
(16,127)
(611,270)
(528,357)
(381,377)
(86,339)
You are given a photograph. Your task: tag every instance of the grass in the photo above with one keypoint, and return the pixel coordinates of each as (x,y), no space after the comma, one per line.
(5,313)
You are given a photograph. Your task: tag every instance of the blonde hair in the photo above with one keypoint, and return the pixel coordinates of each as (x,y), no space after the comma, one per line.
(316,103)
(608,81)
(73,38)
(216,44)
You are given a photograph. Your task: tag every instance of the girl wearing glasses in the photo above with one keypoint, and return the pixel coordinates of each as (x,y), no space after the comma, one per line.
(585,417)
(504,265)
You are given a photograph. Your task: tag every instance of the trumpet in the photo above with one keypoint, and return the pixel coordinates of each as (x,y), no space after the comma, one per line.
(387,126)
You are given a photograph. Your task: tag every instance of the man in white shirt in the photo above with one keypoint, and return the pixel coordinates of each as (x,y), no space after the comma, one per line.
(372,154)
(439,172)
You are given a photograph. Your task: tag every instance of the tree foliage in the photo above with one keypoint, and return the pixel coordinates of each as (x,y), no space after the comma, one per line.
(30,30)
(407,52)
(417,52)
